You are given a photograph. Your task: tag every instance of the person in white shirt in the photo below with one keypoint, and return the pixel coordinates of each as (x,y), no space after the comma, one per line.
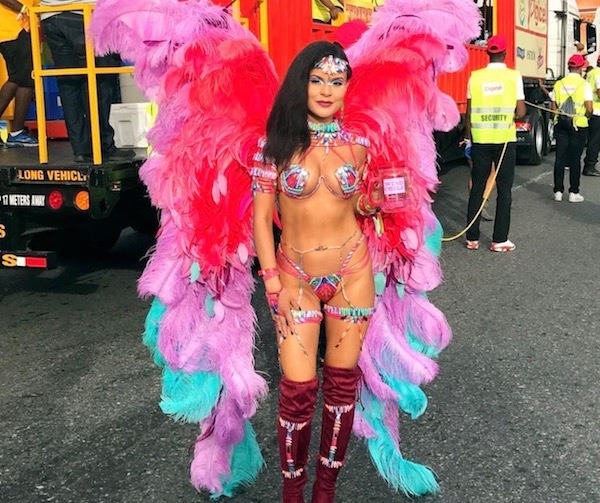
(64,33)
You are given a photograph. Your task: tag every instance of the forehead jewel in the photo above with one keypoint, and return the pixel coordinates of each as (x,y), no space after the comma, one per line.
(331,65)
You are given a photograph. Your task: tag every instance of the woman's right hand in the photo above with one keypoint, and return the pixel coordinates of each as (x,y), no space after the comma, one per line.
(286,302)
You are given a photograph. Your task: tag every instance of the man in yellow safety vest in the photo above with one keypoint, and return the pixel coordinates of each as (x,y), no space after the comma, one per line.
(572,99)
(593,144)
(495,97)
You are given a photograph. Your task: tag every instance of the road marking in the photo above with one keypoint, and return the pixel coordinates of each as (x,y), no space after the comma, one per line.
(533,180)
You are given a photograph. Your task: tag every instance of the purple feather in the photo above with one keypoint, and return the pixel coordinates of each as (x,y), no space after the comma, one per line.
(151,32)
(393,354)
(454,21)
(191,340)
(360,426)
(425,272)
(391,419)
(212,460)
(427,322)
(372,378)
(163,276)
(229,422)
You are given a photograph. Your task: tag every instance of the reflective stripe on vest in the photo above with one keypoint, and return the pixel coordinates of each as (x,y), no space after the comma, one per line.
(572,85)
(493,102)
(591,78)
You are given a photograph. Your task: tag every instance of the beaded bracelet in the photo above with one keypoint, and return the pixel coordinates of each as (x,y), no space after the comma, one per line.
(273,298)
(267,274)
(363,208)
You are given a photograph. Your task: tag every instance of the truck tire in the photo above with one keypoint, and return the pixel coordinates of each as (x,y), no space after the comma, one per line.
(538,141)
(549,135)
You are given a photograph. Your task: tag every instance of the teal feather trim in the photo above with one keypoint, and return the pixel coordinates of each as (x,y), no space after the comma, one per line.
(411,478)
(246,463)
(411,398)
(418,345)
(194,272)
(189,397)
(400,290)
(433,241)
(209,305)
(380,281)
(152,330)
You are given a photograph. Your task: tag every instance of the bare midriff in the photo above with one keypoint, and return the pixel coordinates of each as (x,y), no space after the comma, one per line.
(321,221)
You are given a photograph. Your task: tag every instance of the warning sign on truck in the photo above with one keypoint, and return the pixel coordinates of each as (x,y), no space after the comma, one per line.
(51,175)
(531,35)
(26,200)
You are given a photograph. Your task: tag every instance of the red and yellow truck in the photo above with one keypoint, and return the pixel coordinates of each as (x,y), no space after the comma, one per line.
(541,36)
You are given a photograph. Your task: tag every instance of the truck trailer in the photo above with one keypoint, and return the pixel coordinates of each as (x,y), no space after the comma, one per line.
(541,35)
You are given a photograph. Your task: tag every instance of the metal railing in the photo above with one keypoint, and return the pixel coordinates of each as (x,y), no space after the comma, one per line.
(263,19)
(90,70)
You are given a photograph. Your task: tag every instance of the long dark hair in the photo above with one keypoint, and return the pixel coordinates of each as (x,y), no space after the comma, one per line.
(287,130)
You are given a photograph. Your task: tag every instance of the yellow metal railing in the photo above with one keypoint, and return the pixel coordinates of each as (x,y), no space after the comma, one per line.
(90,70)
(264,23)
(263,16)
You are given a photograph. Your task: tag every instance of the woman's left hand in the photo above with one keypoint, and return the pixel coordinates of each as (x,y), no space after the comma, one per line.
(375,195)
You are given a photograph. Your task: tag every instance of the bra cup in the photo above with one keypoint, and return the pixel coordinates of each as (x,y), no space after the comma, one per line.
(295,177)
(348,178)
(293,180)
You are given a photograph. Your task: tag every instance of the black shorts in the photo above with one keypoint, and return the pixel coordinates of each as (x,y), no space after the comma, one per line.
(17,54)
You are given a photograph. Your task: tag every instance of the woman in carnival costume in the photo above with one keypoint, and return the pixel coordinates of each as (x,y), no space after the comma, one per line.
(314,170)
(362,270)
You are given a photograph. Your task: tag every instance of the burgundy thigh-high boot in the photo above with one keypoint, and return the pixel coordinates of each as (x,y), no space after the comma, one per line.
(296,409)
(339,398)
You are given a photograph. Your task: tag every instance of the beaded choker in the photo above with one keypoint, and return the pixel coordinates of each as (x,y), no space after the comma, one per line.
(329,128)
(326,134)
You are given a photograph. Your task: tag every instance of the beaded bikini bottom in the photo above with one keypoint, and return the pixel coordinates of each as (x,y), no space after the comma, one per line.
(326,287)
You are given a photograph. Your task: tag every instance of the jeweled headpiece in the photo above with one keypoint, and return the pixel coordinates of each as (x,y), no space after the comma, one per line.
(331,65)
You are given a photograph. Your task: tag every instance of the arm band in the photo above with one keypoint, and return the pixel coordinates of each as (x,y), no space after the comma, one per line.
(267,274)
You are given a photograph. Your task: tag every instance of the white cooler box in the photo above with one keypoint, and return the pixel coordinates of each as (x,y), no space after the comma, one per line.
(131,122)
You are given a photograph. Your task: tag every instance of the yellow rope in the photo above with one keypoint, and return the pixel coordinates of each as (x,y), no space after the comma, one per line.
(486,196)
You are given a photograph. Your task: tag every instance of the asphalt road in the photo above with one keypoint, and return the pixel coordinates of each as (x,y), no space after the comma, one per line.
(513,415)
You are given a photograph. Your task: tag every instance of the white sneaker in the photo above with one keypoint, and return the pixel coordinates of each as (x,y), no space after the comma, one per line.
(558,196)
(505,246)
(575,198)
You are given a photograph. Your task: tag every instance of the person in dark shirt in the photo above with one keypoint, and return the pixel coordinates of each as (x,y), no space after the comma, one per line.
(15,47)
